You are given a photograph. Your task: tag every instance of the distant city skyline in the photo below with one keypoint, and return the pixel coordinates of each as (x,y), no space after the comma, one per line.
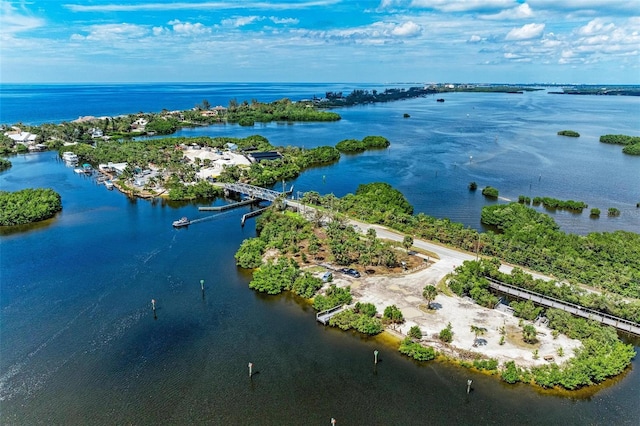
(377,41)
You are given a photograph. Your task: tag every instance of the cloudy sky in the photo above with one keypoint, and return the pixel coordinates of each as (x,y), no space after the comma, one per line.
(380,41)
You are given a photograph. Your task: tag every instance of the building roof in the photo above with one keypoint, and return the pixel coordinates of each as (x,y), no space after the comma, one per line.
(264,155)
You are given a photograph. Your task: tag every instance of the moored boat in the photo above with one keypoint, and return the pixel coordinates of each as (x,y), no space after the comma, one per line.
(108,184)
(183,221)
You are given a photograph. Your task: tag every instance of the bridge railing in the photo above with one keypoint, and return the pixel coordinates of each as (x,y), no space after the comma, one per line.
(253,191)
(586,312)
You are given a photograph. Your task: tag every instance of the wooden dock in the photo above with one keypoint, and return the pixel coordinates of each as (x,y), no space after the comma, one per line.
(577,310)
(324,316)
(252,214)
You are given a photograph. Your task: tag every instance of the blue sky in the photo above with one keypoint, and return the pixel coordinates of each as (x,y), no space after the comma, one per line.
(379,41)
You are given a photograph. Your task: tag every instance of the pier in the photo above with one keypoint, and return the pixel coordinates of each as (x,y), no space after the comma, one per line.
(577,310)
(227,206)
(324,316)
(251,214)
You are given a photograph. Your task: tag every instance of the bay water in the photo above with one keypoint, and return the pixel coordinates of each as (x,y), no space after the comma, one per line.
(81,345)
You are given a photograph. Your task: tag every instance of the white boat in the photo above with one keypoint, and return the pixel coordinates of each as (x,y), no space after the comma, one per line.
(69,157)
(183,221)
(108,184)
(78,170)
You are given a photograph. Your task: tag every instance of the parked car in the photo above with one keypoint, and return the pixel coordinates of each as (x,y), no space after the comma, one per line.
(350,271)
(328,276)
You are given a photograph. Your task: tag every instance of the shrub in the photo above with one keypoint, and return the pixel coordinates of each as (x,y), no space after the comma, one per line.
(416,350)
(393,314)
(446,335)
(486,364)
(334,296)
(613,212)
(415,332)
(595,212)
(473,186)
(368,309)
(4,164)
(510,373)
(490,192)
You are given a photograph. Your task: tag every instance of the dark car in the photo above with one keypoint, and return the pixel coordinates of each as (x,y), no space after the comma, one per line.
(350,271)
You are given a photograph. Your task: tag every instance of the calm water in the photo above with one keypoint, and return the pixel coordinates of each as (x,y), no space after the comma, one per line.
(80,345)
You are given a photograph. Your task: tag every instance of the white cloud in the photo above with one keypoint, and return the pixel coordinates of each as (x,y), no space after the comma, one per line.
(463,5)
(283,21)
(521,12)
(112,32)
(241,21)
(217,5)
(475,39)
(406,29)
(587,7)
(596,26)
(187,28)
(13,21)
(526,32)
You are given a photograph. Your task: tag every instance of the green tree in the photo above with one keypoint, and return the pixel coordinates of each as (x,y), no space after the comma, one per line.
(393,315)
(446,334)
(477,331)
(429,292)
(415,332)
(407,242)
(529,333)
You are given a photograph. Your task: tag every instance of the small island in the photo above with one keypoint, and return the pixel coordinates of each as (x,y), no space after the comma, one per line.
(570,133)
(631,143)
(28,206)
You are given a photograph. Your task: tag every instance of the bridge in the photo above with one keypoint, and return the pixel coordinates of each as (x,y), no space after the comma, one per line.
(255,191)
(577,310)
(325,316)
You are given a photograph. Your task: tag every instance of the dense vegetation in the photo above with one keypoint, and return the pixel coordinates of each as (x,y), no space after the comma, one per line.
(4,164)
(569,133)
(490,191)
(553,203)
(603,354)
(284,274)
(608,260)
(369,142)
(359,96)
(378,202)
(246,113)
(631,143)
(28,205)
(604,260)
(416,351)
(471,281)
(360,318)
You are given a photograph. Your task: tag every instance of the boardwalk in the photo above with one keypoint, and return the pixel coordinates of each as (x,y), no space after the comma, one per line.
(550,302)
(325,316)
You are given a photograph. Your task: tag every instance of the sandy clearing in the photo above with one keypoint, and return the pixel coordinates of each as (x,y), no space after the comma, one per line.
(405,291)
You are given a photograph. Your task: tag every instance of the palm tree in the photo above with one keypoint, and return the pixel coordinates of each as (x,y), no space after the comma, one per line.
(429,292)
(478,331)
(407,242)
(529,333)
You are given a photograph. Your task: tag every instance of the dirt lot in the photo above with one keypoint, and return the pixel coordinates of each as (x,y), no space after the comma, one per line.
(405,291)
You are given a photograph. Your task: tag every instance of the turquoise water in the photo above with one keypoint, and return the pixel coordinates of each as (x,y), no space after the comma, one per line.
(80,345)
